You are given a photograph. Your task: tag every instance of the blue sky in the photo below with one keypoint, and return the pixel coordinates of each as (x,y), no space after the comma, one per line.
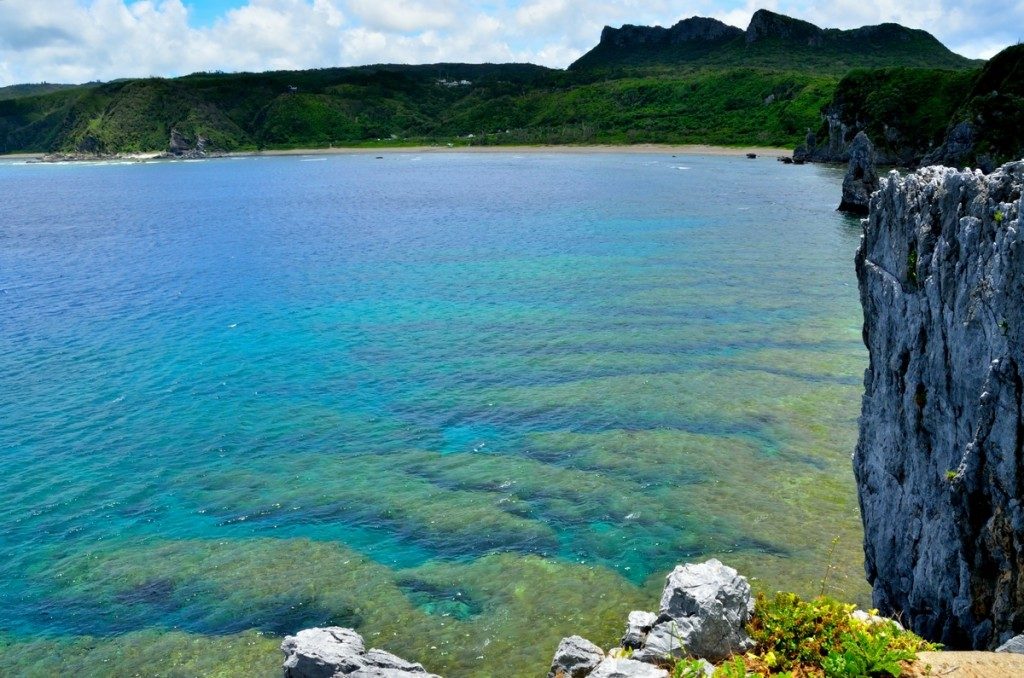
(81,40)
(203,12)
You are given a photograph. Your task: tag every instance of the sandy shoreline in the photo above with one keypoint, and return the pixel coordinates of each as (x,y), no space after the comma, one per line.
(664,149)
(667,149)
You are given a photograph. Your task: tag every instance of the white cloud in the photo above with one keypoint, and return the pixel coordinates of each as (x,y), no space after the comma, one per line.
(79,40)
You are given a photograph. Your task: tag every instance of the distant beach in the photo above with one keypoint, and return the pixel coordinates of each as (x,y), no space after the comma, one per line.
(666,149)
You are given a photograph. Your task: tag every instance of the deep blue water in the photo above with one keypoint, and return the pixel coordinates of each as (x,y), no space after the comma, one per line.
(463,402)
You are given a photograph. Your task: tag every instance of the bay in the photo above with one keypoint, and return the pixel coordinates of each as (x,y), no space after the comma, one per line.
(465,403)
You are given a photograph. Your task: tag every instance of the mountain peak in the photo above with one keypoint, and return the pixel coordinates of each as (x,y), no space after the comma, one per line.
(767,24)
(694,29)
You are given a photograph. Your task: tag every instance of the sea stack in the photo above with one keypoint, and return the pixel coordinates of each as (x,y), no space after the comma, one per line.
(940,457)
(861,179)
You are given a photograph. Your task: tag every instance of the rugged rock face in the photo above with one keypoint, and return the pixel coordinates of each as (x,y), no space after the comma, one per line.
(688,30)
(180,146)
(940,457)
(334,652)
(765,24)
(956,148)
(861,180)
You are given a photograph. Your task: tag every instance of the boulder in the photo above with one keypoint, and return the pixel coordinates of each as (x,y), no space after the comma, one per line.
(637,628)
(333,652)
(575,657)
(861,179)
(705,607)
(627,668)
(939,462)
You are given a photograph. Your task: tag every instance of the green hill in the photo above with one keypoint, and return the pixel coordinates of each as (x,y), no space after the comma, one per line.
(700,81)
(928,116)
(18,91)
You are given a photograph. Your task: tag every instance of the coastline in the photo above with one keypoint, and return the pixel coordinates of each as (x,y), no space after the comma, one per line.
(667,149)
(661,149)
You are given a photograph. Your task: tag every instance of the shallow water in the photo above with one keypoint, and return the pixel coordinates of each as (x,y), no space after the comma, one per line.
(465,403)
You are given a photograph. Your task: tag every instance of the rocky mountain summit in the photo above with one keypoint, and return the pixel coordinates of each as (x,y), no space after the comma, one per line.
(688,30)
(771,40)
(940,458)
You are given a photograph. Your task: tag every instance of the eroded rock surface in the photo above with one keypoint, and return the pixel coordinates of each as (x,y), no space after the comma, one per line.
(939,461)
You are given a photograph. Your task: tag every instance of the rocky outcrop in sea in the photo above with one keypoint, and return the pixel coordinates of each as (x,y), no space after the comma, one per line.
(940,457)
(703,613)
(861,179)
(333,652)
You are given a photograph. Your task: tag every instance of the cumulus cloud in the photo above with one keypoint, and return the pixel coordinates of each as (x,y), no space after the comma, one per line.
(80,40)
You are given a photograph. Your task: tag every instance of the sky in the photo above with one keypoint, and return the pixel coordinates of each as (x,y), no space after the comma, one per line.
(82,40)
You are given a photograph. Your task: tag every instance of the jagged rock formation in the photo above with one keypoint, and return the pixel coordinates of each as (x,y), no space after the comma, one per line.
(766,25)
(688,30)
(861,180)
(181,147)
(334,652)
(770,40)
(940,458)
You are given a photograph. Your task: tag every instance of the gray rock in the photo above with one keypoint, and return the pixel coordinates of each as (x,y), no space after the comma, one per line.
(575,657)
(627,668)
(1014,645)
(333,652)
(665,642)
(709,605)
(181,147)
(861,179)
(637,628)
(940,456)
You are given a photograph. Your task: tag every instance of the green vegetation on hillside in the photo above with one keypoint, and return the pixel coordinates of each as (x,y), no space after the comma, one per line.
(995,108)
(904,111)
(698,82)
(29,90)
(479,104)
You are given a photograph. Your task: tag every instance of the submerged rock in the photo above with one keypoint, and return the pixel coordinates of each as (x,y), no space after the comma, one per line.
(575,657)
(861,179)
(940,457)
(333,652)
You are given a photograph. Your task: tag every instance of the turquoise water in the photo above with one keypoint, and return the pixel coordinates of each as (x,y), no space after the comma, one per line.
(465,403)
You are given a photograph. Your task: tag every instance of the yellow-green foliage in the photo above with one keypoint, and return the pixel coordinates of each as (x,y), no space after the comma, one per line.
(820,638)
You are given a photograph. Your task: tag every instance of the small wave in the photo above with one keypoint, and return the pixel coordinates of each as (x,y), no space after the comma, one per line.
(680,167)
